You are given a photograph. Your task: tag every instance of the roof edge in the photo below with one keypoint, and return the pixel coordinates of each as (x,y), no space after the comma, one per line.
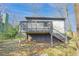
(46,18)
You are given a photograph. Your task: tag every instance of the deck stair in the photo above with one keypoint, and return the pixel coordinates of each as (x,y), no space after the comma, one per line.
(58,35)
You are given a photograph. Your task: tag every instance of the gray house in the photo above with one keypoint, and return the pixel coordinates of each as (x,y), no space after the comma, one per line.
(44,29)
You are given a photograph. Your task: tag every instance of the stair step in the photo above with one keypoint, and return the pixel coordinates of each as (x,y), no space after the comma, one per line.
(59,37)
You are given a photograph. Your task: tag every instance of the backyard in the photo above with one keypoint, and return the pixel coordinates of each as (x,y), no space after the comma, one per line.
(33,48)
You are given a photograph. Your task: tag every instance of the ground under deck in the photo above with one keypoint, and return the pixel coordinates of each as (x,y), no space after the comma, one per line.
(43,37)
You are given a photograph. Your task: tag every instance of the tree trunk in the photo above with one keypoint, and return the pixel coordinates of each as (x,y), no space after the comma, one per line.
(76,7)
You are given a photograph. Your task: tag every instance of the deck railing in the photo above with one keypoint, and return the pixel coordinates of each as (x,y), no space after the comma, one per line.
(38,30)
(35,26)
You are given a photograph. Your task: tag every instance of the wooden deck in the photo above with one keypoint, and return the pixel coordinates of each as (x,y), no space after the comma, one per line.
(41,30)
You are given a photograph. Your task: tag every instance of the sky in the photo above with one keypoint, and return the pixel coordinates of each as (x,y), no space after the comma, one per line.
(18,11)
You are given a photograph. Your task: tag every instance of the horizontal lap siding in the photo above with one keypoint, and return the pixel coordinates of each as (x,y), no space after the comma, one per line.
(58,25)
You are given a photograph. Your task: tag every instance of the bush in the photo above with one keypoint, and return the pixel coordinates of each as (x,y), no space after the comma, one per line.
(9,33)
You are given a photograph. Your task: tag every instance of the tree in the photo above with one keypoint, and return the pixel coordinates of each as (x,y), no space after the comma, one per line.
(10,33)
(76,7)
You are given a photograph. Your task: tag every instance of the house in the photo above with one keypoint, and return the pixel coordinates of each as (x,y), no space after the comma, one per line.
(44,29)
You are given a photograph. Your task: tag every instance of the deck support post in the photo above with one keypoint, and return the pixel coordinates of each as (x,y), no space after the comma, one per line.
(51,29)
(51,40)
(66,41)
(26,36)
